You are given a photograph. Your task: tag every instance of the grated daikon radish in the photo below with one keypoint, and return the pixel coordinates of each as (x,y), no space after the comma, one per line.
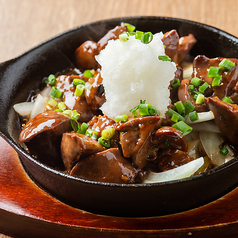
(131,72)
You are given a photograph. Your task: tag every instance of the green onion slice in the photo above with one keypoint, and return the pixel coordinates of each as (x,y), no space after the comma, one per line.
(77,81)
(191,87)
(91,133)
(130,27)
(189,107)
(226,64)
(224,151)
(179,107)
(122,118)
(193,116)
(147,38)
(79,90)
(124,36)
(200,99)
(203,87)
(175,118)
(170,112)
(183,127)
(104,142)
(227,99)
(175,83)
(216,81)
(84,127)
(55,92)
(51,79)
(213,71)
(195,81)
(164,58)
(108,133)
(52,102)
(88,74)
(61,106)
(138,35)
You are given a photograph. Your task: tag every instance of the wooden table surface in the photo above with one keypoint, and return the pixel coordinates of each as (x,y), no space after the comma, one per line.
(26,23)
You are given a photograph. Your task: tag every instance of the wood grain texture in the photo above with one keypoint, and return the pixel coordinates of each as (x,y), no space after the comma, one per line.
(26,23)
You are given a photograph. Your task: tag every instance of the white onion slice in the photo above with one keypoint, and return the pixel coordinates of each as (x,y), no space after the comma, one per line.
(46,92)
(206,126)
(183,171)
(202,116)
(211,142)
(187,70)
(39,106)
(24,108)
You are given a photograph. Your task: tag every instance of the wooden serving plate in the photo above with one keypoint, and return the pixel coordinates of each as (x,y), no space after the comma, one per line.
(28,211)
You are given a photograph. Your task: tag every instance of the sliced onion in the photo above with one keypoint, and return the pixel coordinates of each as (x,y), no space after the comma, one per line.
(206,126)
(24,108)
(211,142)
(187,70)
(202,116)
(183,171)
(39,106)
(193,148)
(46,92)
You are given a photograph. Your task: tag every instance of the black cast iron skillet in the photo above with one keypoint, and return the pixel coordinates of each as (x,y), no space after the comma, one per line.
(20,75)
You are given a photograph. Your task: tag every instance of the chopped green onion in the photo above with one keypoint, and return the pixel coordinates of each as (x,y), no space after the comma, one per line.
(130,27)
(179,107)
(91,133)
(144,109)
(75,125)
(147,38)
(175,83)
(200,99)
(52,79)
(193,116)
(134,112)
(104,142)
(88,74)
(84,127)
(227,99)
(79,90)
(203,87)
(191,87)
(78,81)
(139,35)
(213,71)
(183,127)
(189,107)
(124,36)
(175,118)
(54,92)
(226,64)
(216,81)
(73,114)
(170,112)
(122,118)
(196,81)
(153,111)
(224,151)
(61,106)
(58,110)
(108,133)
(52,102)
(164,58)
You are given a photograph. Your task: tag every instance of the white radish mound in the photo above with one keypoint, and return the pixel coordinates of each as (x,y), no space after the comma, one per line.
(131,72)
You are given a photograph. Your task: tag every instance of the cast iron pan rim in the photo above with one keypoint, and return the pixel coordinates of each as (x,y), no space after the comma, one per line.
(24,153)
